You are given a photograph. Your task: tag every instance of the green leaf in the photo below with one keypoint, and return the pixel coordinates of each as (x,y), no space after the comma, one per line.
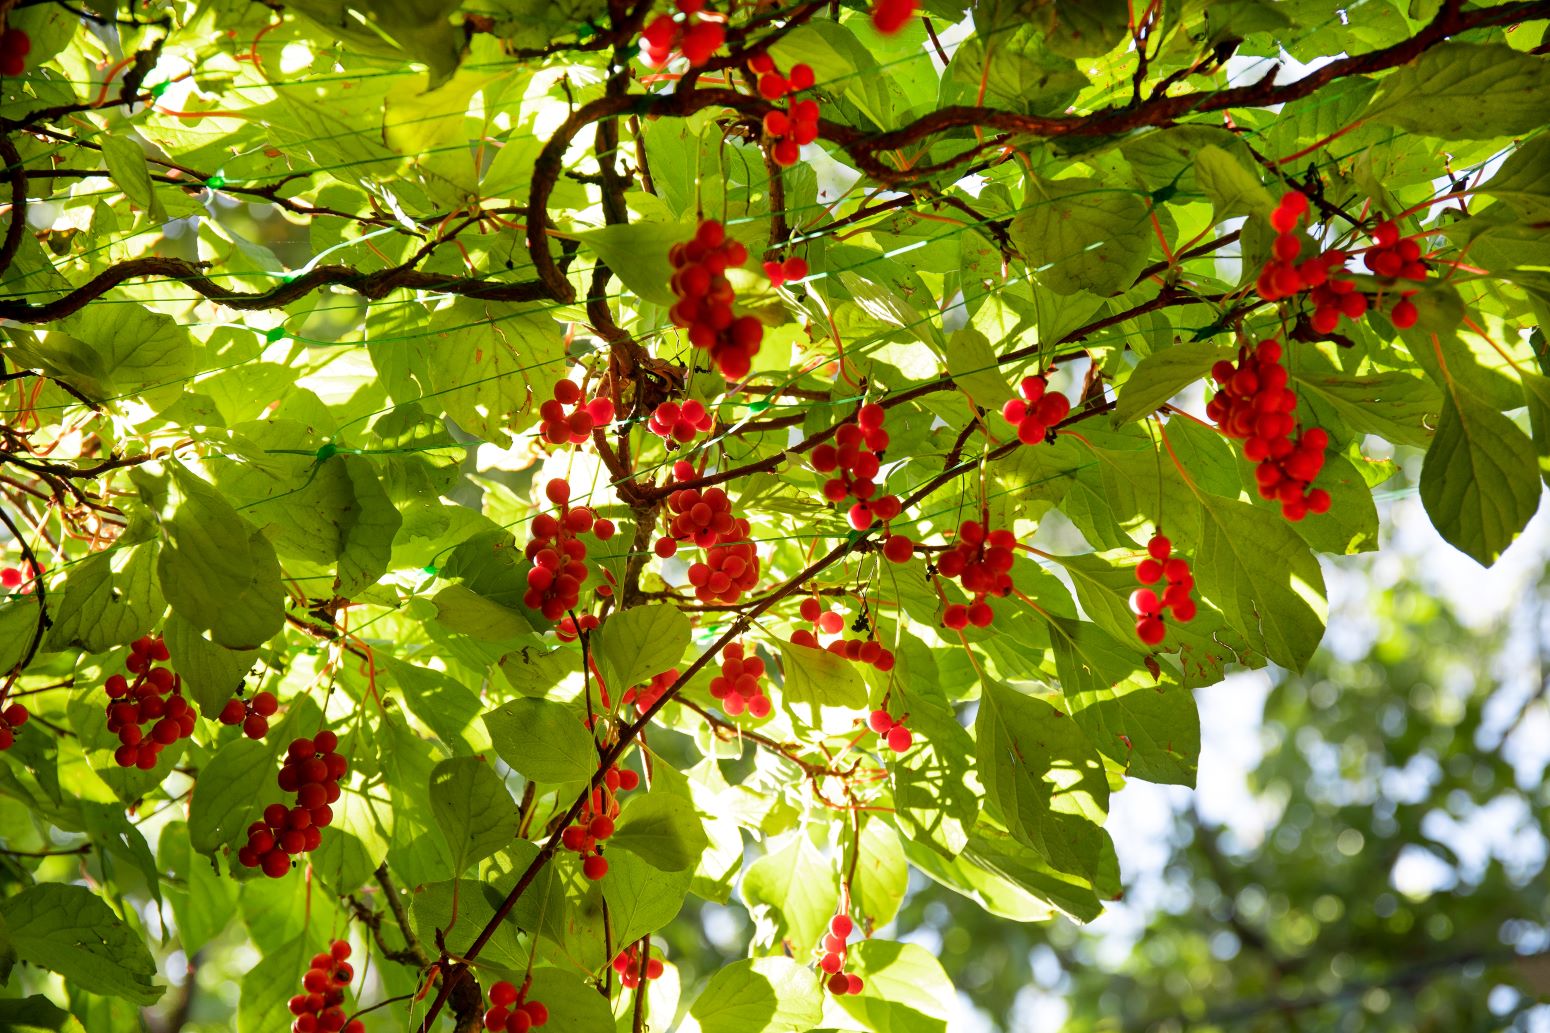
(819,678)
(760,995)
(574,1006)
(127,167)
(1044,777)
(662,829)
(1147,727)
(126,347)
(366,532)
(108,599)
(1465,91)
(1523,181)
(972,362)
(211,673)
(996,851)
(636,645)
(469,613)
(641,897)
(219,572)
(637,254)
(267,987)
(881,873)
(1477,482)
(904,988)
(35,1014)
(68,930)
(994,893)
(1395,406)
(791,893)
(1083,234)
(473,808)
(542,740)
(1263,576)
(1233,188)
(435,906)
(1165,373)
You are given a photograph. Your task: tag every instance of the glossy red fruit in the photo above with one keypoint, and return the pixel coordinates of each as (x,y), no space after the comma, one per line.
(594,867)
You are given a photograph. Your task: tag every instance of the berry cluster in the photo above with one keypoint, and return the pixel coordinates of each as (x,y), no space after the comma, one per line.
(645,698)
(156,695)
(252,714)
(793,268)
(833,960)
(728,570)
(15,45)
(510,1010)
(981,561)
(627,964)
(705,299)
(11,718)
(558,555)
(596,821)
(1145,604)
(679,423)
(318,1010)
(574,428)
(1332,291)
(889,16)
(1255,405)
(788,130)
(1396,259)
(738,687)
(892,730)
(312,771)
(832,622)
(19,579)
(696,37)
(1036,411)
(856,456)
(704,518)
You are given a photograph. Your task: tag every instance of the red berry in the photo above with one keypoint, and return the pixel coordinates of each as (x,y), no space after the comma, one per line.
(594,867)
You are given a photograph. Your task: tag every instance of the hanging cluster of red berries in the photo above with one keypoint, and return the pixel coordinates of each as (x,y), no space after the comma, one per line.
(705,298)
(981,561)
(510,1011)
(893,731)
(855,458)
(19,578)
(739,687)
(646,697)
(574,428)
(788,130)
(679,424)
(793,268)
(1176,597)
(728,571)
(252,714)
(312,770)
(1036,411)
(15,45)
(1255,405)
(832,962)
(703,518)
(319,1010)
(1331,290)
(156,695)
(889,16)
(11,718)
(832,622)
(627,964)
(696,37)
(596,821)
(558,554)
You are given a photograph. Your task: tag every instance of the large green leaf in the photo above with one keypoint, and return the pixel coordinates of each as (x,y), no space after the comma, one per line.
(1083,234)
(218,571)
(662,829)
(638,644)
(1465,91)
(475,812)
(761,995)
(542,740)
(69,930)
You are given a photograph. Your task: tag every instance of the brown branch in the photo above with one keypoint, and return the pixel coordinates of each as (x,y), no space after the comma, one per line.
(36,570)
(16,175)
